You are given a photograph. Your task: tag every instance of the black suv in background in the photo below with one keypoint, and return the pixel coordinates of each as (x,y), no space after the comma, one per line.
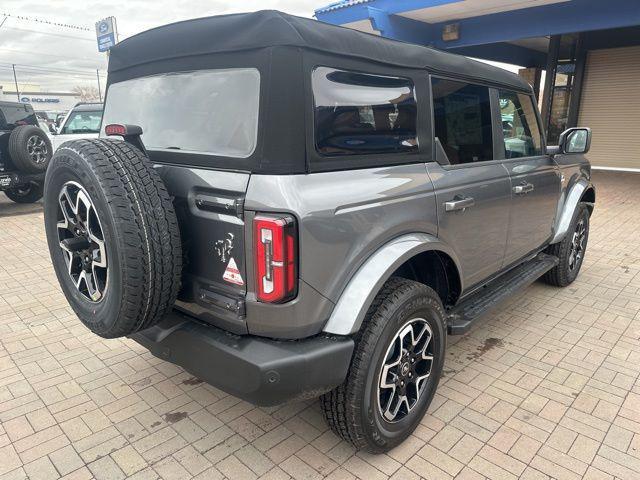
(25,151)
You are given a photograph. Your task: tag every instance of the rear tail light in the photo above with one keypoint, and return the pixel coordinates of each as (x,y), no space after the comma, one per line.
(275,239)
(115,129)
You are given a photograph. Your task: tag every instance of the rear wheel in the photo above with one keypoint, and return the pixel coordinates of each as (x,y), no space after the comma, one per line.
(28,193)
(113,236)
(395,368)
(570,250)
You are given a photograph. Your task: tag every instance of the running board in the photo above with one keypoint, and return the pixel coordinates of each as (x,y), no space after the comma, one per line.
(462,316)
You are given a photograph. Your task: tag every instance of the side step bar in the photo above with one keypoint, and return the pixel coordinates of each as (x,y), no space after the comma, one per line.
(462,316)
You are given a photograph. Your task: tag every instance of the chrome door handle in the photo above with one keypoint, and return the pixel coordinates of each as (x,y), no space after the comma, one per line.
(523,188)
(459,204)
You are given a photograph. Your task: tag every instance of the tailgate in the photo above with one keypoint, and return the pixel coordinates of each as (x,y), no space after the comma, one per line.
(210,209)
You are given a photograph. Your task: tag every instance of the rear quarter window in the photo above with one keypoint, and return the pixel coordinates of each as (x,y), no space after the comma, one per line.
(19,115)
(206,111)
(358,113)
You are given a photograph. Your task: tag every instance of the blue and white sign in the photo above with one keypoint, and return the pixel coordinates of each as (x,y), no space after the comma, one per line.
(106,34)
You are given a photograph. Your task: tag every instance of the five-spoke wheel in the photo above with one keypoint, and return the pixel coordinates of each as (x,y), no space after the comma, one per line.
(578,244)
(406,368)
(82,241)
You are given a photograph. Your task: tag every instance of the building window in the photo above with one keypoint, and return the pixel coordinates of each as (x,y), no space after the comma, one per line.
(462,121)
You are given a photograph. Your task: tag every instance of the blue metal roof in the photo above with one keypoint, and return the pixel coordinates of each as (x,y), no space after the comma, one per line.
(340,4)
(489,36)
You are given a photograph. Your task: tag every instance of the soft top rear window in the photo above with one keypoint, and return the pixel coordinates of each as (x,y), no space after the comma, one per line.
(205,111)
(358,113)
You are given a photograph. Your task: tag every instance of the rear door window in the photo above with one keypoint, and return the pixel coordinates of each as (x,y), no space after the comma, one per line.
(359,113)
(522,137)
(462,121)
(205,111)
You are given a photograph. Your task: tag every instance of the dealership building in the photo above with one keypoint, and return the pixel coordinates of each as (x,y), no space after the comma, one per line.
(589,51)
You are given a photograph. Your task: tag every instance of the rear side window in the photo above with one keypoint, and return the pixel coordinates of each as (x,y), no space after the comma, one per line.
(520,127)
(462,121)
(205,111)
(357,113)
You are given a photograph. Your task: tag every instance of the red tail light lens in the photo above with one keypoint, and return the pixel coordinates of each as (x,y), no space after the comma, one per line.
(275,255)
(115,129)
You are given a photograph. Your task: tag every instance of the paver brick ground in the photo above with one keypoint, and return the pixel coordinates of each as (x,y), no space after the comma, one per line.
(546,386)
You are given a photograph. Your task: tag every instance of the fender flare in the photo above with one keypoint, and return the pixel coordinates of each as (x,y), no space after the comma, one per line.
(351,308)
(568,208)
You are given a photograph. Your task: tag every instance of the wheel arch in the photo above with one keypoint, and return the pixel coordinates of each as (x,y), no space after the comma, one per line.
(582,191)
(407,256)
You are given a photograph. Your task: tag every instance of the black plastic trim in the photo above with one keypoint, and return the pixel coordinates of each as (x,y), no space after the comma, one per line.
(259,370)
(10,180)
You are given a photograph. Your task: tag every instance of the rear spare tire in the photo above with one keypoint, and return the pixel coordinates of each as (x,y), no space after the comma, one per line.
(30,149)
(29,193)
(113,235)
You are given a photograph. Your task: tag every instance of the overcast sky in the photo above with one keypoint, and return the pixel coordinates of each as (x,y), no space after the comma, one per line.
(59,58)
(30,43)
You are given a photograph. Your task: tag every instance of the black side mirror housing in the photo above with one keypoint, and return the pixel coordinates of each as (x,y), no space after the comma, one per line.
(572,140)
(52,129)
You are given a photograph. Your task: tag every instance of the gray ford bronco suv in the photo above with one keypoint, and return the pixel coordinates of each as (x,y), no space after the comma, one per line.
(289,209)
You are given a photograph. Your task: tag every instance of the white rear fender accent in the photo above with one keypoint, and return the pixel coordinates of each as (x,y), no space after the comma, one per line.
(568,208)
(352,306)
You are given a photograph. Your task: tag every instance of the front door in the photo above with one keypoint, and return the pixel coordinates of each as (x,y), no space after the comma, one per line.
(473,190)
(535,177)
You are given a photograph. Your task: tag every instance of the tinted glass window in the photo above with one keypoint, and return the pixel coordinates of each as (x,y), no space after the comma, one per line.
(207,111)
(357,113)
(83,122)
(520,125)
(19,115)
(462,121)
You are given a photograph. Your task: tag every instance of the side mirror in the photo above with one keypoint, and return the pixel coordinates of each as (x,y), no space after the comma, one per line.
(52,129)
(572,140)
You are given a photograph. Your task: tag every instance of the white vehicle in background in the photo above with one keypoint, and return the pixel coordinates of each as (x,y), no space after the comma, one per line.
(82,121)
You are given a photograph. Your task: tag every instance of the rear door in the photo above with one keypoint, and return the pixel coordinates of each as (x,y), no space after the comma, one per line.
(473,190)
(535,177)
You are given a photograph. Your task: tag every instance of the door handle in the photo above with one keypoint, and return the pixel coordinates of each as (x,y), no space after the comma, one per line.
(523,188)
(459,204)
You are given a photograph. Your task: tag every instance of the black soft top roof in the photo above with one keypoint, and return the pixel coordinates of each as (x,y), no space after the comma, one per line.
(270,28)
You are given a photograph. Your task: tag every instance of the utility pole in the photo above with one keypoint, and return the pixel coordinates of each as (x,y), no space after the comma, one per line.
(15,79)
(99,90)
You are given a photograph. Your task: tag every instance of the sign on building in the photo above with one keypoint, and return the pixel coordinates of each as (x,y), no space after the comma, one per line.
(106,33)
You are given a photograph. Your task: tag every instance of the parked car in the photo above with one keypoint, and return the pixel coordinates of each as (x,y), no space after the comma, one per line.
(290,209)
(25,152)
(82,121)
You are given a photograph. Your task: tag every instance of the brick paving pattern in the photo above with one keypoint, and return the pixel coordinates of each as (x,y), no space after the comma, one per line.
(545,387)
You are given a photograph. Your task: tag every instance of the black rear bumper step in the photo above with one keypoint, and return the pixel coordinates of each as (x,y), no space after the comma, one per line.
(259,370)
(462,316)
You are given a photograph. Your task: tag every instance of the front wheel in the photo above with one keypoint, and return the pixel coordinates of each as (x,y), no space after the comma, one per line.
(394,371)
(570,250)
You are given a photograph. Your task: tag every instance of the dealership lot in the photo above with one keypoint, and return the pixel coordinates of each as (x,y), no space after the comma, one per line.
(546,386)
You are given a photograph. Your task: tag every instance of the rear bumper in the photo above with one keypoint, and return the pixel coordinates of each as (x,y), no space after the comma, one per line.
(14,179)
(259,370)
